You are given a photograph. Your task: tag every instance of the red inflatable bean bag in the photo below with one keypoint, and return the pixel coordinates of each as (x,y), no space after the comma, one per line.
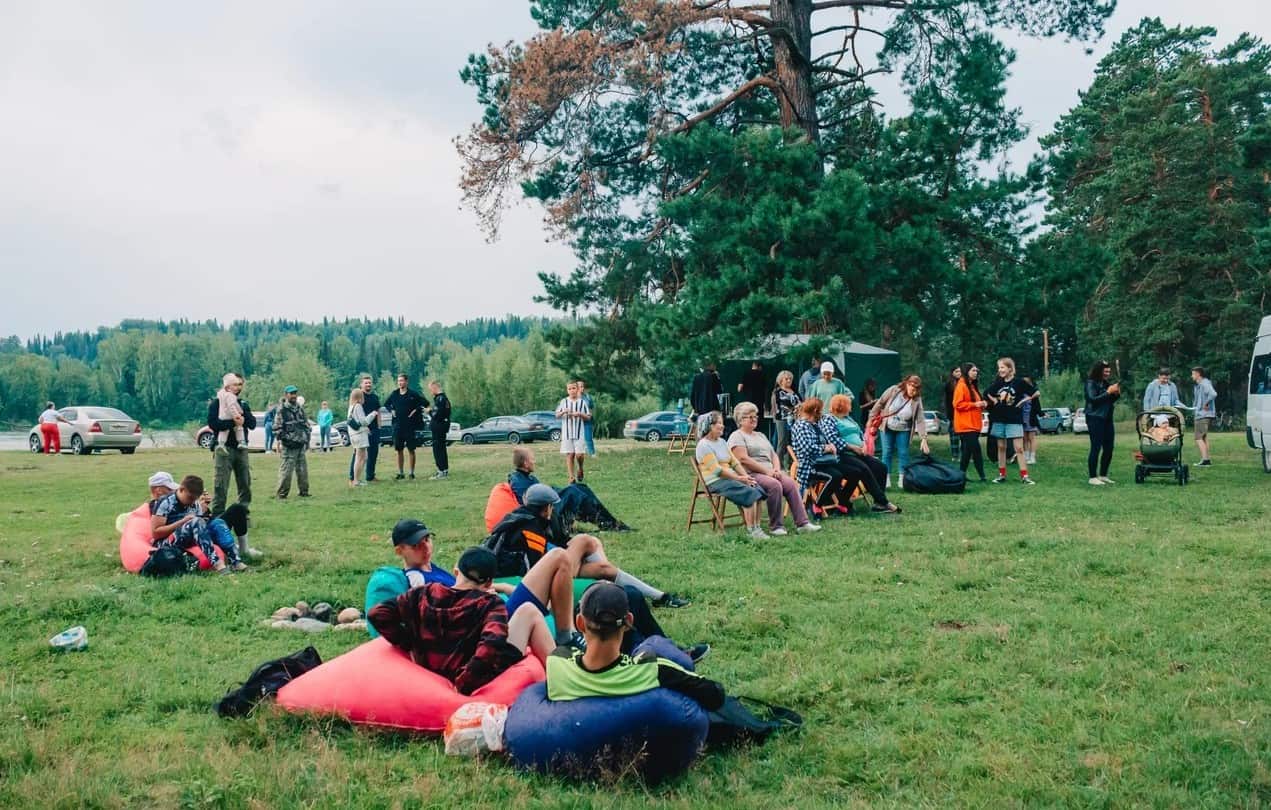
(376,684)
(135,545)
(502,501)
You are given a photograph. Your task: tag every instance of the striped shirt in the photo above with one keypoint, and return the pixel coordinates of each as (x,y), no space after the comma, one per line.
(572,425)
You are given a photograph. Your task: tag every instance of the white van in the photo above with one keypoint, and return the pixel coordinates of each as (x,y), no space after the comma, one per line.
(1258,418)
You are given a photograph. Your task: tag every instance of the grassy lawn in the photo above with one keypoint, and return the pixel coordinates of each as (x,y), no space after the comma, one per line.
(1053,645)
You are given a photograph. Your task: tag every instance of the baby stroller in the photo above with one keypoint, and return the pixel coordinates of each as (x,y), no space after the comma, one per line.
(1160,445)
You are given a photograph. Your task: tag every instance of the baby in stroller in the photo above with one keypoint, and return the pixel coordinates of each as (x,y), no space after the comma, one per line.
(1160,444)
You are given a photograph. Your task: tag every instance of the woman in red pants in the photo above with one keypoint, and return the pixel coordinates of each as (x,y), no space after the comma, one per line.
(48,428)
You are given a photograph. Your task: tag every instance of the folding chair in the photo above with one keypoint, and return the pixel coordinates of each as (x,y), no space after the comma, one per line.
(680,442)
(719,517)
(816,484)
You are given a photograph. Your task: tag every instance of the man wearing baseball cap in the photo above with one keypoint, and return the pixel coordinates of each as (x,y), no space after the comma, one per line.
(413,543)
(162,484)
(291,426)
(602,670)
(827,386)
(462,632)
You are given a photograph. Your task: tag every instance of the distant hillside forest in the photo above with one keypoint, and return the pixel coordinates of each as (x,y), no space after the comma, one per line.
(163,372)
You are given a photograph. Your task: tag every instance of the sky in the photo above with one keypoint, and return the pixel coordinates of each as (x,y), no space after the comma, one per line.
(295,159)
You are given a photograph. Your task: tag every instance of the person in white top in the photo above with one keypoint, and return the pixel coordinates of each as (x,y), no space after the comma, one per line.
(574,415)
(49,431)
(359,435)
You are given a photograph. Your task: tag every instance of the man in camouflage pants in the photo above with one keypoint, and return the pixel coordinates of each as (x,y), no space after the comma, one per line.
(291,427)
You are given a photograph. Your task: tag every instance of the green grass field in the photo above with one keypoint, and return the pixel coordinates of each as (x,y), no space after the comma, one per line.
(1056,645)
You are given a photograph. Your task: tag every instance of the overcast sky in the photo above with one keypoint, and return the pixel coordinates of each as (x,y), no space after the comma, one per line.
(294,159)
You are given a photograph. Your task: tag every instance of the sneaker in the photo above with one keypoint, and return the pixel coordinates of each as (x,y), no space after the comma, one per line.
(697,652)
(1001,479)
(412,476)
(238,566)
(757,533)
(305,495)
(1095,482)
(441,475)
(361,484)
(1204,462)
(576,641)
(671,600)
(1024,479)
(1105,479)
(887,483)
(807,528)
(780,531)
(900,480)
(251,553)
(399,476)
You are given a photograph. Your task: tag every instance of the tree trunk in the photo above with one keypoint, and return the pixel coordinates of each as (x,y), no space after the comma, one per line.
(792,50)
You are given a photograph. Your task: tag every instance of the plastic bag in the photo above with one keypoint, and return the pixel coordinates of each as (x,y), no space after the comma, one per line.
(475,728)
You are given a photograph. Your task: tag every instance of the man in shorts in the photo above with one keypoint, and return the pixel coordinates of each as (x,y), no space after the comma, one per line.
(574,415)
(1204,398)
(408,412)
(1005,397)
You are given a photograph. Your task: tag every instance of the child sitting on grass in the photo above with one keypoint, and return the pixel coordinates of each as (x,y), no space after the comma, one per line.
(602,670)
(181,519)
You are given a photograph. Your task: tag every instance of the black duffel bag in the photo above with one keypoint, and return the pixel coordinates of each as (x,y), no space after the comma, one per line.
(927,476)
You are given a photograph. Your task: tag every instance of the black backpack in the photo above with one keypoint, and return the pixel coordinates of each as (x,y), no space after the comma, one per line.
(926,476)
(168,561)
(748,721)
(265,681)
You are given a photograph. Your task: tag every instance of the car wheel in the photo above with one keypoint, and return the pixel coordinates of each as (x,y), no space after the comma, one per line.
(653,436)
(77,446)
(205,441)
(127,451)
(554,435)
(1266,456)
(514,438)
(36,445)
(468,438)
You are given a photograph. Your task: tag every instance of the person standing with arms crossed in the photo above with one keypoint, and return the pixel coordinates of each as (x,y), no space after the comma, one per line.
(574,414)
(439,425)
(408,411)
(49,430)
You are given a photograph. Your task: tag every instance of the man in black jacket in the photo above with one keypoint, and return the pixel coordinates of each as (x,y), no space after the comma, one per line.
(439,425)
(706,390)
(408,413)
(230,451)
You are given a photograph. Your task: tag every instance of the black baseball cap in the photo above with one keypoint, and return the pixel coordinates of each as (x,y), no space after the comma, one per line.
(604,604)
(410,532)
(477,564)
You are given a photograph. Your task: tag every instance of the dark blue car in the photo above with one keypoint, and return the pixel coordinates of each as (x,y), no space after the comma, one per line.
(653,427)
(548,418)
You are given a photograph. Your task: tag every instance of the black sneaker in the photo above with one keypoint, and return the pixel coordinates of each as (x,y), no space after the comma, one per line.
(1205,463)
(412,476)
(576,641)
(1001,479)
(697,652)
(399,476)
(671,600)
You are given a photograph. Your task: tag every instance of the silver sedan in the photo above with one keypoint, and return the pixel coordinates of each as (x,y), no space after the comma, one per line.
(89,428)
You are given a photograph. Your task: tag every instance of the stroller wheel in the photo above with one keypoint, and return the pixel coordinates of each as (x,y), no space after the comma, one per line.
(1138,473)
(1187,474)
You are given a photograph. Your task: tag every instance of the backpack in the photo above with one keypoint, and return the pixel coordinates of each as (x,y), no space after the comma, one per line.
(265,681)
(748,721)
(169,561)
(926,476)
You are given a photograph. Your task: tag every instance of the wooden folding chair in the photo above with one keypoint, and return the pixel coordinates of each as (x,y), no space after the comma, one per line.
(680,442)
(719,517)
(816,484)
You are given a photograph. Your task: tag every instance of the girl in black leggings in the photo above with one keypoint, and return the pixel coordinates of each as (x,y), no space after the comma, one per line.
(966,410)
(1101,399)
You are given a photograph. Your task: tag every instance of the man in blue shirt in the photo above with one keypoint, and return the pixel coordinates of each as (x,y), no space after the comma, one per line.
(1161,392)
(1204,398)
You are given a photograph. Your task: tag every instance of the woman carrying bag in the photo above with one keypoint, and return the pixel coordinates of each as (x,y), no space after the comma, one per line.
(897,416)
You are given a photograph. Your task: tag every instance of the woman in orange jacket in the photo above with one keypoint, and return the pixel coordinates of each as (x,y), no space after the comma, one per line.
(968,410)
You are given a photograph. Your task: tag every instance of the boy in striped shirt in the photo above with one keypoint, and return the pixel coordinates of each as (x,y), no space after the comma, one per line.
(574,415)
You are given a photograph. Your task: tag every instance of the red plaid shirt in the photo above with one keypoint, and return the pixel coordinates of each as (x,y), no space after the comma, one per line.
(461,635)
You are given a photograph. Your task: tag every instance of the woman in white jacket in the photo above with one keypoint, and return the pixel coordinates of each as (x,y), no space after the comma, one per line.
(358,436)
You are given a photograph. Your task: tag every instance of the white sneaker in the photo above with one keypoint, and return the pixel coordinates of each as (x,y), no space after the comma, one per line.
(900,480)
(780,531)
(757,533)
(807,528)
(887,483)
(1105,479)
(1095,482)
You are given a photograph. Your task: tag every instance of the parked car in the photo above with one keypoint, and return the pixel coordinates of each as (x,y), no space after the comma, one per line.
(256,436)
(1050,420)
(92,428)
(1066,413)
(1079,421)
(423,435)
(934,422)
(548,418)
(653,427)
(510,429)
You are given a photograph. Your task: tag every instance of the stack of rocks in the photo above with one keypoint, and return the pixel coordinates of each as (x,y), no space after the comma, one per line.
(317,619)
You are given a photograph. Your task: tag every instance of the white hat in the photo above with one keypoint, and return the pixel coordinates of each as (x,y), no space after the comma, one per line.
(163,479)
(827,366)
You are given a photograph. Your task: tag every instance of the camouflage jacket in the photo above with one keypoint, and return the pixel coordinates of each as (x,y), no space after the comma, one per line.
(291,425)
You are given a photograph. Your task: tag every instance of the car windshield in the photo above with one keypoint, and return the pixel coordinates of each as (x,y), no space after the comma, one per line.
(105,413)
(649,417)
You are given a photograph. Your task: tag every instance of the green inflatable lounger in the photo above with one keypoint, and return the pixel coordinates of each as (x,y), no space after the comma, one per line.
(389,583)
